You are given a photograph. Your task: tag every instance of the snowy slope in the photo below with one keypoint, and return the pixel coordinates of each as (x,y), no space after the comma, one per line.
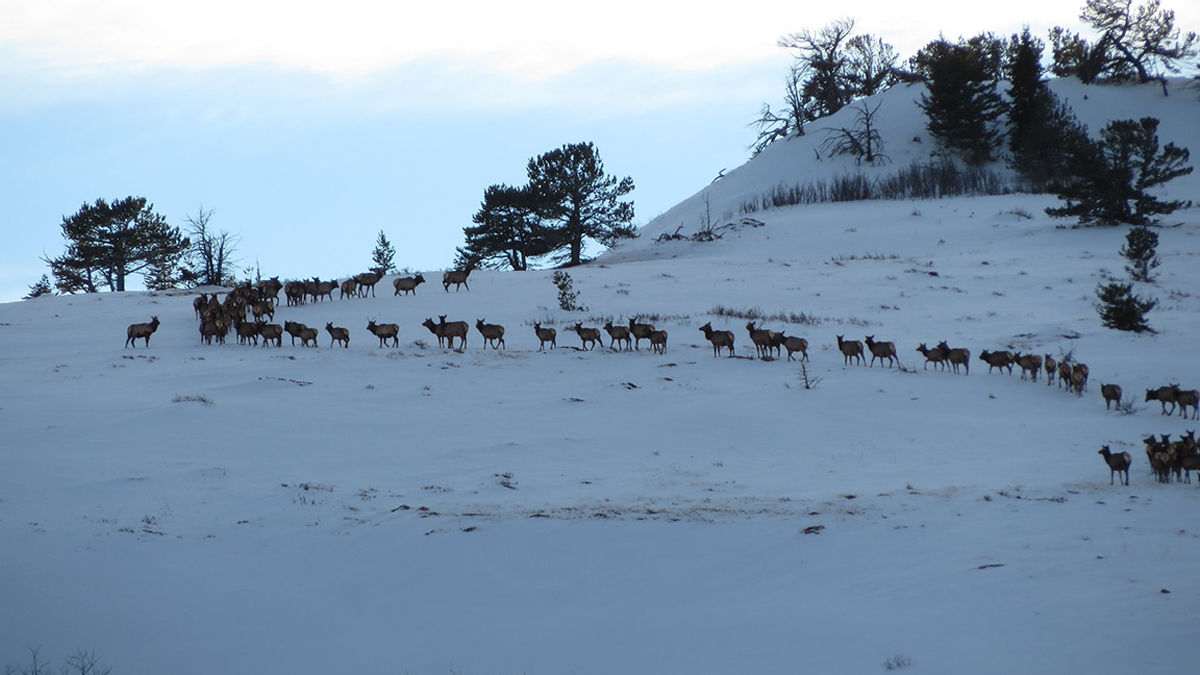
(193,509)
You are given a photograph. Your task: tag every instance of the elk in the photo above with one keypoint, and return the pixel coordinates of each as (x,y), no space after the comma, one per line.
(792,345)
(270,331)
(1051,369)
(454,329)
(1187,399)
(349,289)
(338,334)
(658,341)
(1064,374)
(456,277)
(491,332)
(323,289)
(881,351)
(957,356)
(436,330)
(587,335)
(140,330)
(199,303)
(935,356)
(294,292)
(850,349)
(385,332)
(999,360)
(720,339)
(1029,363)
(640,331)
(1117,463)
(1079,378)
(261,309)
(268,289)
(761,338)
(545,335)
(366,282)
(246,332)
(1111,394)
(1163,395)
(294,329)
(408,284)
(618,334)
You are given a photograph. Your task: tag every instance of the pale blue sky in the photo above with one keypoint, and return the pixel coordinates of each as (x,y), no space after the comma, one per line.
(308,127)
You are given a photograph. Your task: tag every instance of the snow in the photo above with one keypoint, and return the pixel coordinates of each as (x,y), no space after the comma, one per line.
(192,509)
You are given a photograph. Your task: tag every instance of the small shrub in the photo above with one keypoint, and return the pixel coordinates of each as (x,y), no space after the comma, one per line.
(193,399)
(896,662)
(568,298)
(1140,249)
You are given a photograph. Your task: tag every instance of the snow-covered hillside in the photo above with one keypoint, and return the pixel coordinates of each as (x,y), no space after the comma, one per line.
(233,509)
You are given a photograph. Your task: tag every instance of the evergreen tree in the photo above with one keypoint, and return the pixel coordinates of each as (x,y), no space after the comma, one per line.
(42,287)
(1039,123)
(1140,249)
(383,256)
(108,242)
(962,105)
(1110,178)
(1120,309)
(576,200)
(507,231)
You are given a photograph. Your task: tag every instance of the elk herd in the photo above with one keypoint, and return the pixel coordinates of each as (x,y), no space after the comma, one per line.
(248,312)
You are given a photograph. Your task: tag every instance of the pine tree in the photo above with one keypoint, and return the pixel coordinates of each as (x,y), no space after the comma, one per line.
(1110,178)
(576,200)
(507,231)
(42,287)
(383,256)
(1120,309)
(108,242)
(1140,249)
(962,104)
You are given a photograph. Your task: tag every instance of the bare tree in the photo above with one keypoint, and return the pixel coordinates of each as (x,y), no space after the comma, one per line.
(789,121)
(862,140)
(212,252)
(1139,44)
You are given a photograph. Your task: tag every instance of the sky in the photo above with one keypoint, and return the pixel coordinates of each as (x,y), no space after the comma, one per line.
(307,128)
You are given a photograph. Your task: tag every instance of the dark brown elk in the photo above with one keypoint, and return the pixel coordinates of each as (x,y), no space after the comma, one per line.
(1064,374)
(385,332)
(408,284)
(338,334)
(545,335)
(436,330)
(851,350)
(366,282)
(587,335)
(999,360)
(491,332)
(1111,394)
(323,289)
(720,339)
(1117,463)
(294,292)
(456,277)
(640,331)
(881,351)
(349,289)
(294,329)
(1079,378)
(957,356)
(1163,395)
(268,289)
(761,338)
(935,356)
(199,303)
(1051,369)
(618,334)
(261,309)
(247,332)
(453,329)
(138,331)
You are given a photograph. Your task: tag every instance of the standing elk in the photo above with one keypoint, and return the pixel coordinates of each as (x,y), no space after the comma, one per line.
(640,331)
(1111,394)
(140,330)
(1117,463)
(795,344)
(349,288)
(366,282)
(492,333)
(385,332)
(1163,395)
(658,341)
(1189,398)
(762,339)
(850,349)
(957,356)
(270,331)
(545,335)
(618,334)
(720,339)
(935,356)
(999,360)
